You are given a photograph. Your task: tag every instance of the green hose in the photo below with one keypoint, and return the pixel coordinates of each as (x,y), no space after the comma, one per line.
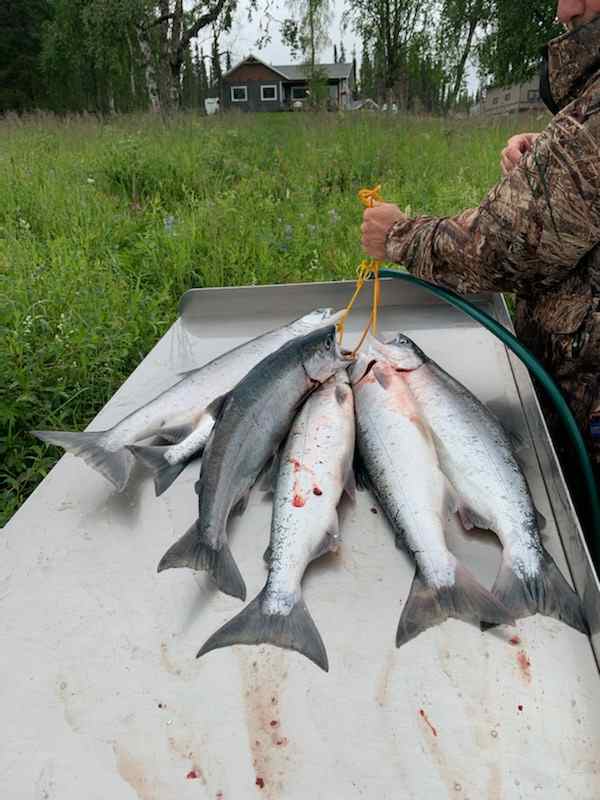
(542,376)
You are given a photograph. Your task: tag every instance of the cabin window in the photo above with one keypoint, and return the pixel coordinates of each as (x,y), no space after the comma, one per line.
(299,92)
(268,92)
(239,94)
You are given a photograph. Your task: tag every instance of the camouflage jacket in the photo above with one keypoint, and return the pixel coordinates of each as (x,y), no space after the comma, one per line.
(537,234)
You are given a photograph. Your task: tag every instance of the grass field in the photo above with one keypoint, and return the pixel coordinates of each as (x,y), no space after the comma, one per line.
(104,225)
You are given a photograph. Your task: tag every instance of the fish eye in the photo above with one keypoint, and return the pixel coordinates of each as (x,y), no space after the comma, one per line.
(328,343)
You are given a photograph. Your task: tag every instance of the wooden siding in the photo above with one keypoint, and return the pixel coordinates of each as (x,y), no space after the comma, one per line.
(252,72)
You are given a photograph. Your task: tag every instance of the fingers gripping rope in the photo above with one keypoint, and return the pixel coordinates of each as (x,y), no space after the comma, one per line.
(366,269)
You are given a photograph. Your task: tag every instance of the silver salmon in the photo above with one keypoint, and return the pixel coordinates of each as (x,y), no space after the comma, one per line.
(314,470)
(254,419)
(177,412)
(396,447)
(476,455)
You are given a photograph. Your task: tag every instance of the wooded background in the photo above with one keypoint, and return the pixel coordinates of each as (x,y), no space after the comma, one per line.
(132,55)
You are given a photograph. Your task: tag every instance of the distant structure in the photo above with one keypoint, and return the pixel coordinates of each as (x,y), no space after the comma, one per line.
(253,85)
(511,99)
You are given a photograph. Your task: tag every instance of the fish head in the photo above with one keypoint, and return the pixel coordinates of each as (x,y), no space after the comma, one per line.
(398,350)
(322,356)
(319,318)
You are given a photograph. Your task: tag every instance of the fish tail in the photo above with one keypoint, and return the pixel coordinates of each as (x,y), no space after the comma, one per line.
(193,552)
(115,465)
(153,458)
(466,599)
(547,592)
(294,631)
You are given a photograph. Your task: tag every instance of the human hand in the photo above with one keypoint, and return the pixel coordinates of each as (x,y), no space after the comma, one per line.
(515,149)
(377,221)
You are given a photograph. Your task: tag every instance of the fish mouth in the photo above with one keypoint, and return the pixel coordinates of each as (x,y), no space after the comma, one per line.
(326,315)
(335,316)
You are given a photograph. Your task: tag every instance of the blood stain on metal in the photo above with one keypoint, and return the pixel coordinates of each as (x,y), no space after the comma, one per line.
(298,501)
(262,682)
(219,795)
(520,707)
(374,510)
(166,662)
(424,716)
(383,684)
(515,641)
(524,665)
(318,492)
(193,775)
(135,773)
(260,782)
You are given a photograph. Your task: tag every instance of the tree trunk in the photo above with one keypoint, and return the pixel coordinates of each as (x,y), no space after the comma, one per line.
(460,69)
(132,86)
(149,70)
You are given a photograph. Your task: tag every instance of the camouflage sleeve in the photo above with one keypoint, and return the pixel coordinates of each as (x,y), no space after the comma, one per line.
(531,229)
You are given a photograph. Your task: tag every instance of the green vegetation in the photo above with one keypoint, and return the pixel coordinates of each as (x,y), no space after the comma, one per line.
(104,225)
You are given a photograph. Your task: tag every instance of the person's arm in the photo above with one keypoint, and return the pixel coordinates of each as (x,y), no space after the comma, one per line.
(530,230)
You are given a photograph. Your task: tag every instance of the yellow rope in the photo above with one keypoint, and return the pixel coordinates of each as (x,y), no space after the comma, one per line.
(366,268)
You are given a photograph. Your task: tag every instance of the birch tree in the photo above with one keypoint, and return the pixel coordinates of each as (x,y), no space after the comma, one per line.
(460,20)
(389,25)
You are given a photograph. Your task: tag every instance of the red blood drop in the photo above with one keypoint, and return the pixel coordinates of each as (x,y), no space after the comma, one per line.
(515,641)
(520,707)
(317,491)
(260,783)
(298,502)
(192,775)
(374,511)
(274,723)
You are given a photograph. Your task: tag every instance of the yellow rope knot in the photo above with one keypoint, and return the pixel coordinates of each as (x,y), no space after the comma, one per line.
(366,269)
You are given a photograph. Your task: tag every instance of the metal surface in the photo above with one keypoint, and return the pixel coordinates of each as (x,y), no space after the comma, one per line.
(102,696)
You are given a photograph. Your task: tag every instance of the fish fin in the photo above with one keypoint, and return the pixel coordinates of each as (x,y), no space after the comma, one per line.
(350,485)
(466,600)
(382,377)
(269,475)
(341,393)
(294,631)
(542,522)
(268,555)
(471,519)
(154,459)
(190,551)
(115,465)
(215,408)
(360,471)
(548,593)
(242,504)
(330,542)
(176,433)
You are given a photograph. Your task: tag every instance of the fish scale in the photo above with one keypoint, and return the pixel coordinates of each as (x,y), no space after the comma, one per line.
(316,466)
(254,419)
(476,455)
(397,453)
(182,410)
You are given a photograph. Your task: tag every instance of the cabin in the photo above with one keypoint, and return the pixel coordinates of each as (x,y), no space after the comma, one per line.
(515,99)
(253,85)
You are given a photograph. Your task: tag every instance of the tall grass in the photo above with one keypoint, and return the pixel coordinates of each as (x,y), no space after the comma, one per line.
(103,225)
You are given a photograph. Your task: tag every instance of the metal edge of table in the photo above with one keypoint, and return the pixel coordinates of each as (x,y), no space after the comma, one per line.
(262,298)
